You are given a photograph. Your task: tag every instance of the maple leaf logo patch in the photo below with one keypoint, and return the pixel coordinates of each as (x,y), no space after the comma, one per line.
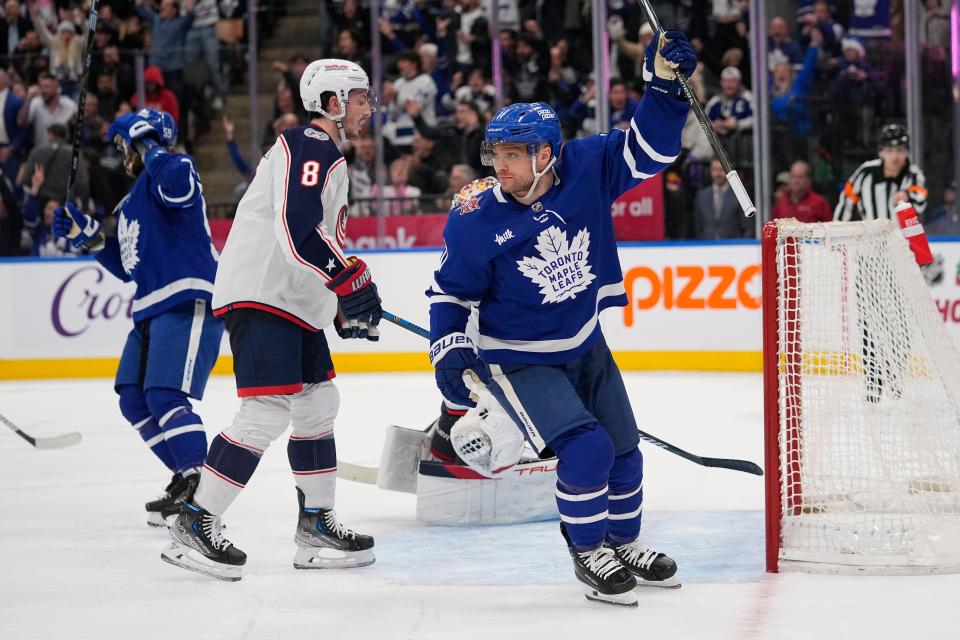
(562,270)
(128,234)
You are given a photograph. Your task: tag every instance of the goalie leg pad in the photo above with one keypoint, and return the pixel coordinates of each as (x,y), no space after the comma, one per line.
(585,455)
(133,407)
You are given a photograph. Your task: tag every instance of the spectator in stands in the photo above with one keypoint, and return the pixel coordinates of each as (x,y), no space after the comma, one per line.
(781,47)
(621,107)
(29,59)
(350,17)
(53,160)
(528,77)
(158,95)
(477,90)
(11,220)
(399,197)
(362,167)
(107,92)
(464,141)
(291,72)
(821,19)
(132,35)
(460,176)
(627,47)
(855,91)
(348,48)
(717,214)
(109,61)
(65,51)
(935,25)
(38,220)
(10,132)
(787,104)
(473,41)
(563,78)
(15,26)
(413,86)
(945,219)
(427,166)
(201,43)
(800,201)
(94,128)
(43,107)
(430,64)
(168,35)
(731,111)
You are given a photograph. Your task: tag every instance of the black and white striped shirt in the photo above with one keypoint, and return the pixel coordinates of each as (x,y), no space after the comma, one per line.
(868,195)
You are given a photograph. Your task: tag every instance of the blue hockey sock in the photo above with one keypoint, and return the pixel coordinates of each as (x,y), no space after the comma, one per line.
(133,406)
(584,456)
(226,472)
(314,465)
(182,428)
(626,497)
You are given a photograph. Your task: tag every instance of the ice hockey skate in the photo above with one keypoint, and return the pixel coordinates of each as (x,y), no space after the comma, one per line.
(651,568)
(178,493)
(154,507)
(324,543)
(604,578)
(198,545)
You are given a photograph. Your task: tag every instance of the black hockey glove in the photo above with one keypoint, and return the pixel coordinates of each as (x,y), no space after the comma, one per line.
(360,311)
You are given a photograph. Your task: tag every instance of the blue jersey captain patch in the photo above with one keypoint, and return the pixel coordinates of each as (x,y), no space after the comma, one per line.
(562,270)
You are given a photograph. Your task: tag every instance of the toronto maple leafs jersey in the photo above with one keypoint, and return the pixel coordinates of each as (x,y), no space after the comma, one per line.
(541,273)
(163,240)
(286,242)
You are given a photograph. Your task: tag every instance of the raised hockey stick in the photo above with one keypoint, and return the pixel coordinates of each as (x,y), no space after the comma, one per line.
(735,183)
(56,442)
(720,463)
(82,98)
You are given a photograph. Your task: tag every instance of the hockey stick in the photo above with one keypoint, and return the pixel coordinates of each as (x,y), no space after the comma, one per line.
(735,183)
(56,442)
(82,98)
(720,463)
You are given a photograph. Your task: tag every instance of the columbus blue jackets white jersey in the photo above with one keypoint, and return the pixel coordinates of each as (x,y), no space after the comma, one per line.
(541,273)
(286,241)
(163,239)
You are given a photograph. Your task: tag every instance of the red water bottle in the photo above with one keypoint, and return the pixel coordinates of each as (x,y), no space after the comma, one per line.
(914,233)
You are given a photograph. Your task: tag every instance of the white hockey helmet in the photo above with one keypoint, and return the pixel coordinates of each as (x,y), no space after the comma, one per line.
(333,75)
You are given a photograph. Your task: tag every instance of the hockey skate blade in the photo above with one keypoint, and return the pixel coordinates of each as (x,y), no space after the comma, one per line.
(628,599)
(670,583)
(186,558)
(155,519)
(326,558)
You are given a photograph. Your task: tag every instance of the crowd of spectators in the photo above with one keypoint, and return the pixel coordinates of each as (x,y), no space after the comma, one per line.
(41,65)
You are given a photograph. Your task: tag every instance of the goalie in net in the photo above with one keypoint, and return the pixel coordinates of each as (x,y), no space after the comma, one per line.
(862,386)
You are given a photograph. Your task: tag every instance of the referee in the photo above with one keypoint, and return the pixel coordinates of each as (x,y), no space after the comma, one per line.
(877,186)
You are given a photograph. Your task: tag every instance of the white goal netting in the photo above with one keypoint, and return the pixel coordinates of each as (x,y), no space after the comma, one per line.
(869,405)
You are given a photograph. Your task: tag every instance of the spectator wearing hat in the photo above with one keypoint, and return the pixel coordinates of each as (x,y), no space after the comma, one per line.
(44,106)
(168,35)
(945,219)
(731,110)
(157,95)
(15,25)
(65,49)
(800,201)
(855,90)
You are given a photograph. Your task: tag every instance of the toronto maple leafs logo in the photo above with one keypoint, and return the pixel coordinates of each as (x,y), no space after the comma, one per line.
(128,234)
(562,270)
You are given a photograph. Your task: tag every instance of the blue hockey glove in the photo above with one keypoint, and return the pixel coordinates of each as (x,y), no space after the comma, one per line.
(131,128)
(76,226)
(451,356)
(360,311)
(667,53)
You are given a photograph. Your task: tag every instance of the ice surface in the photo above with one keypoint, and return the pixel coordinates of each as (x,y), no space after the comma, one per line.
(78,561)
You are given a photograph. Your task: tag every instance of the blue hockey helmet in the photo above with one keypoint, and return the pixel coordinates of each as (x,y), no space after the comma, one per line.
(530,123)
(163,123)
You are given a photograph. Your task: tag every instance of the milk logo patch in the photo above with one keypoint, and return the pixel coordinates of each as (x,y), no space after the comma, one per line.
(128,235)
(562,270)
(500,238)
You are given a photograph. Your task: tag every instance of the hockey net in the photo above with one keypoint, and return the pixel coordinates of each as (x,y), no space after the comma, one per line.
(862,405)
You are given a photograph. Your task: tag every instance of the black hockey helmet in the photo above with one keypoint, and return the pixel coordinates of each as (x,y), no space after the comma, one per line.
(894,134)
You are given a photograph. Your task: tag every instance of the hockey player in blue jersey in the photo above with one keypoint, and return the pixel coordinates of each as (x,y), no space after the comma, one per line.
(536,254)
(163,245)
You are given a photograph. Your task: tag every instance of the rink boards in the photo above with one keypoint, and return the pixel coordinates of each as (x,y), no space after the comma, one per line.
(693,306)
